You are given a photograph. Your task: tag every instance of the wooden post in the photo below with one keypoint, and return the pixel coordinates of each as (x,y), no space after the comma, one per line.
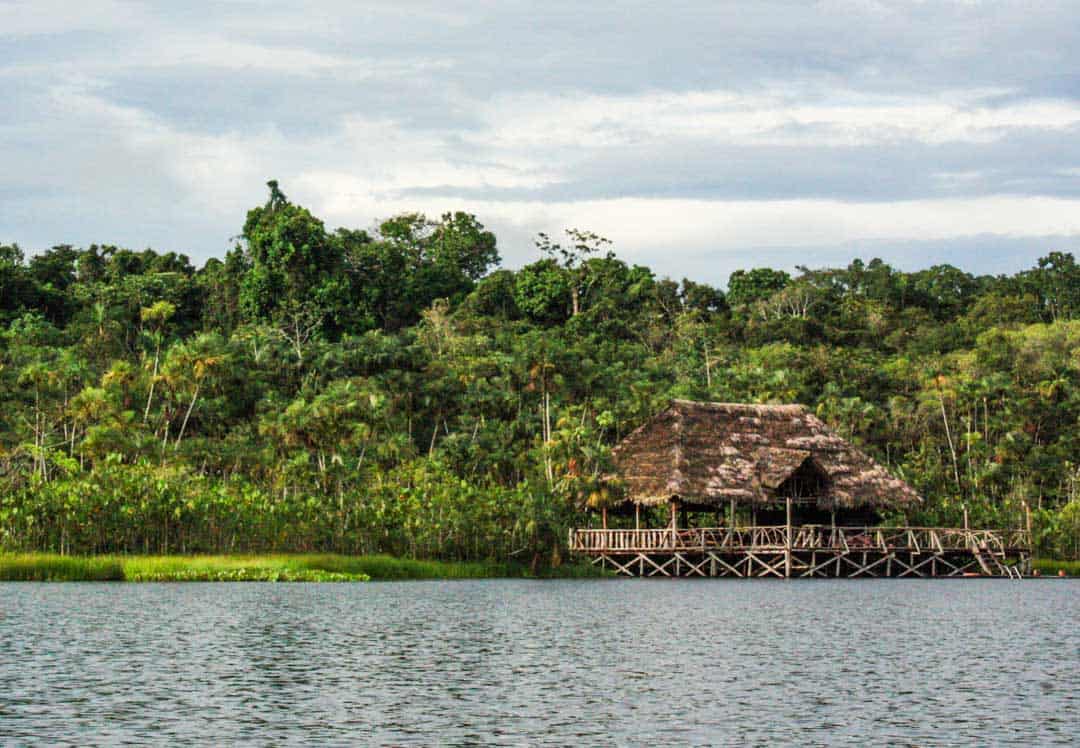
(787,542)
(1027,515)
(966,528)
(674,521)
(637,516)
(603,516)
(732,511)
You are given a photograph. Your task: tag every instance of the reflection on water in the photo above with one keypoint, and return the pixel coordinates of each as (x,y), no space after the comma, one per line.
(590,662)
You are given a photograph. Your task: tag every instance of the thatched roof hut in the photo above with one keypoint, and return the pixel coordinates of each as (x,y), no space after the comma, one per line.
(710,454)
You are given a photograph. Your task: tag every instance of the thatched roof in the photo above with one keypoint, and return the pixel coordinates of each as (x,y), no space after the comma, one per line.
(710,453)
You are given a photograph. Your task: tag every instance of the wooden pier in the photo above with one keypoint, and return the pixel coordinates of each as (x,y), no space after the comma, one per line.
(799,501)
(807,551)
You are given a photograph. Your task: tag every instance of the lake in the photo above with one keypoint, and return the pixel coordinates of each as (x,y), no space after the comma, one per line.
(513,662)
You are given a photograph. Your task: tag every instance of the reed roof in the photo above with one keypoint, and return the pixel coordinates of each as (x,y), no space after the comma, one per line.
(708,454)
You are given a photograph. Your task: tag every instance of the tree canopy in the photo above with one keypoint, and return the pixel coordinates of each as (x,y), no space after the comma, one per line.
(393,389)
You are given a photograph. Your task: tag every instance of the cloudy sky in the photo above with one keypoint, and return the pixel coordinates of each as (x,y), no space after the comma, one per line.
(700,136)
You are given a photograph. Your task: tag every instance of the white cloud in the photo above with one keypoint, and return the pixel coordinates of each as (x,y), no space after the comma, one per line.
(367,109)
(20,18)
(779,117)
(365,169)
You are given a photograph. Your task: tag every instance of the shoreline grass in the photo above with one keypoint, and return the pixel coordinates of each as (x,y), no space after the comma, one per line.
(1049,567)
(309,567)
(303,567)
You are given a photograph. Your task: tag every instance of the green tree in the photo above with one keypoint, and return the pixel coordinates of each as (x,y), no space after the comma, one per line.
(748,286)
(154,319)
(572,258)
(193,365)
(296,268)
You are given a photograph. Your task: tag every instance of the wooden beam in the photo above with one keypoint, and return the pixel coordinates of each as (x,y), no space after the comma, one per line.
(1027,515)
(787,542)
(659,569)
(621,568)
(815,567)
(767,568)
(691,567)
(721,562)
(866,566)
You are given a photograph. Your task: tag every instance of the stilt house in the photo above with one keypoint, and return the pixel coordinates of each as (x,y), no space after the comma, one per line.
(718,456)
(772,491)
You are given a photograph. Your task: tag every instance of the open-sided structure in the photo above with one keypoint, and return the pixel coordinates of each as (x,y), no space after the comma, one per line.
(814,503)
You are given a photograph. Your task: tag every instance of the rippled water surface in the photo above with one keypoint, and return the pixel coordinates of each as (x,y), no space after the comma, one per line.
(596,662)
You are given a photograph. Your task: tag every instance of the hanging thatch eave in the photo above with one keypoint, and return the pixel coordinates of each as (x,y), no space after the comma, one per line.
(708,454)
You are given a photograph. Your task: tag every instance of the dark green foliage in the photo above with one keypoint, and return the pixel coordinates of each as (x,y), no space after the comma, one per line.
(295,279)
(542,293)
(748,286)
(414,261)
(383,393)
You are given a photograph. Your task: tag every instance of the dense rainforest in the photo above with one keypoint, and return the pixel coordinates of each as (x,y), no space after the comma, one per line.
(394,391)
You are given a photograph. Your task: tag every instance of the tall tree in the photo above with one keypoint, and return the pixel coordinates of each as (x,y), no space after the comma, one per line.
(572,256)
(294,264)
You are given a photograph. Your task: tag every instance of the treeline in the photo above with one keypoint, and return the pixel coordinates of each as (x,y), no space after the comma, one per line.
(393,391)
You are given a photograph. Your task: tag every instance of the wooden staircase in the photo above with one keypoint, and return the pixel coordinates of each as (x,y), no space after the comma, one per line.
(992,561)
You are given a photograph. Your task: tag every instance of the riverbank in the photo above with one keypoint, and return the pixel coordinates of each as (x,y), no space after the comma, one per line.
(46,567)
(320,567)
(1049,567)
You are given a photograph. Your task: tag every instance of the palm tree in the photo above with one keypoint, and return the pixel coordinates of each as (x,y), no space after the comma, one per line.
(194,364)
(155,316)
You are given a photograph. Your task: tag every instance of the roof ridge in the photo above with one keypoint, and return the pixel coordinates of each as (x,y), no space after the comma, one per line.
(776,407)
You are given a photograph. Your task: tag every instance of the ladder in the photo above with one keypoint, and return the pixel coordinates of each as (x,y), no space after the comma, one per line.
(992,562)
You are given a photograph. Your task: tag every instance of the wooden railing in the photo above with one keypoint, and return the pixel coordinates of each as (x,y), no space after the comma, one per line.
(803,538)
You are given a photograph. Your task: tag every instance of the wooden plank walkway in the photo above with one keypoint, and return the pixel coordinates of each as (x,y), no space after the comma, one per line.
(808,551)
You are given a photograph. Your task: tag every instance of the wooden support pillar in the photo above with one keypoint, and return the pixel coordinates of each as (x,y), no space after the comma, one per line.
(966,528)
(787,542)
(637,516)
(1027,516)
(731,509)
(674,522)
(603,516)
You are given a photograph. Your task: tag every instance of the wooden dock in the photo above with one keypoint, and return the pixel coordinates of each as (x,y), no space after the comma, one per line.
(807,551)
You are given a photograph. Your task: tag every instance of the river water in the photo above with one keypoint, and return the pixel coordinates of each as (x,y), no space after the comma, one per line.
(507,662)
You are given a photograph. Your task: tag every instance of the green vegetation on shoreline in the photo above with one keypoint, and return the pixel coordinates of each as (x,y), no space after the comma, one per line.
(47,567)
(393,391)
(1049,567)
(321,567)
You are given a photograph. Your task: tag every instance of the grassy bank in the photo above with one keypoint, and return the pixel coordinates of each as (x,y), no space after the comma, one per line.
(1049,567)
(44,567)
